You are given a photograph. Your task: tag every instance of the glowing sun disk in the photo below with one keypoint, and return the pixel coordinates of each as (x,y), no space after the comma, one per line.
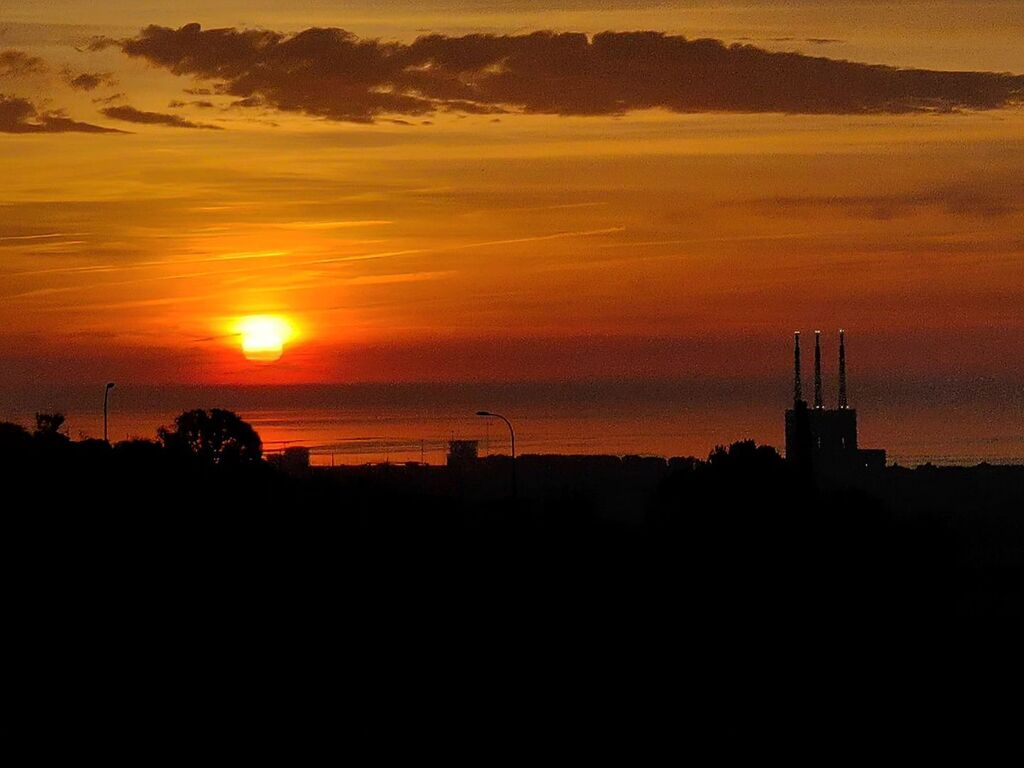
(264,337)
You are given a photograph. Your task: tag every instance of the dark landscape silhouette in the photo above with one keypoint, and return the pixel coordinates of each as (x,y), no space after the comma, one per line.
(735,601)
(408,382)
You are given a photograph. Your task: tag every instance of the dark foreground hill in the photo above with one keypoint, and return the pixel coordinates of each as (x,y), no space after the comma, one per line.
(159,600)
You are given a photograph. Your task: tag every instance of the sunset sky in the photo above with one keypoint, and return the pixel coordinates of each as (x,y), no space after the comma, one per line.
(451,191)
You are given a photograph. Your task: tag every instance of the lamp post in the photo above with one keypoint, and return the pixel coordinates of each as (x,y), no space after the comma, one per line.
(106,409)
(512,433)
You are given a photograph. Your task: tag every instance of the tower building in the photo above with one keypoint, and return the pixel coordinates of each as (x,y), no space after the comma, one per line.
(817,371)
(824,440)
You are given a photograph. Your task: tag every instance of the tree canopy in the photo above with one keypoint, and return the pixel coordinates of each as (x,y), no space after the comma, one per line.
(214,436)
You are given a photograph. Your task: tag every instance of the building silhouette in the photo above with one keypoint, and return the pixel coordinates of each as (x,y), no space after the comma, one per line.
(821,440)
(463,453)
(293,460)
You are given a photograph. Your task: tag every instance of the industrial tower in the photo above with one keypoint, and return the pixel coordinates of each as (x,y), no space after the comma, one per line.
(824,440)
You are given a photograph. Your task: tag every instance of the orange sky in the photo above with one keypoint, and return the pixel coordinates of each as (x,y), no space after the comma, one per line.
(486,243)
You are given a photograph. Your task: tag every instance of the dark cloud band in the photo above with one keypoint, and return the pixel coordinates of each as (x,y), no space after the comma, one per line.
(89,81)
(332,73)
(19,115)
(19,64)
(133,115)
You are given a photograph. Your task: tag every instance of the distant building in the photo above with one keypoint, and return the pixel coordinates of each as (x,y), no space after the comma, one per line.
(822,440)
(293,460)
(463,453)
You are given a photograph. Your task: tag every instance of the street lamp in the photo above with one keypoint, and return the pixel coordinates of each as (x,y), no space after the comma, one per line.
(511,432)
(106,409)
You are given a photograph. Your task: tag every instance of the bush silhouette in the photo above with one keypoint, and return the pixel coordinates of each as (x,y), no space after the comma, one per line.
(216,436)
(48,426)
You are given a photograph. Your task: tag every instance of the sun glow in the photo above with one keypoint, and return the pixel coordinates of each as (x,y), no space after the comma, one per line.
(264,337)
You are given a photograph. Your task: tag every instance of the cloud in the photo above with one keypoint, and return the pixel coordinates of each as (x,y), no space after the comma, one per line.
(333,74)
(18,64)
(977,201)
(89,81)
(133,115)
(19,115)
(201,104)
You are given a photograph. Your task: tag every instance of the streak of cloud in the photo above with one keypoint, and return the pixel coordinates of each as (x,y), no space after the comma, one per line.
(151,264)
(47,236)
(133,115)
(18,115)
(89,81)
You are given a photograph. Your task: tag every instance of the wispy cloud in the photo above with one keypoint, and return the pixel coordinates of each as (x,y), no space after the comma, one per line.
(403,277)
(18,64)
(133,115)
(89,81)
(977,201)
(47,236)
(463,246)
(328,225)
(18,115)
(247,256)
(334,74)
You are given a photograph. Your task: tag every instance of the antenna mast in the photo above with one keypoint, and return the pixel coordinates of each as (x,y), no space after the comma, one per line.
(798,394)
(842,370)
(817,371)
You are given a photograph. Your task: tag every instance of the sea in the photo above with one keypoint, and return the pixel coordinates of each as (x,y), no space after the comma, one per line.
(944,423)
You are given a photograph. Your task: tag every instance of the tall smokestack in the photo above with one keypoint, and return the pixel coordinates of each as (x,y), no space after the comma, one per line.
(842,370)
(798,394)
(817,371)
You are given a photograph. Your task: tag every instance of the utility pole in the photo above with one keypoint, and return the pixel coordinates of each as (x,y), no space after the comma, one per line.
(106,409)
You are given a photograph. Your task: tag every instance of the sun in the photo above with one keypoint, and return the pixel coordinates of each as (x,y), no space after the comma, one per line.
(264,337)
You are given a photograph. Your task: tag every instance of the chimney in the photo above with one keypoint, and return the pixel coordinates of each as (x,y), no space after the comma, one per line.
(843,404)
(798,394)
(817,371)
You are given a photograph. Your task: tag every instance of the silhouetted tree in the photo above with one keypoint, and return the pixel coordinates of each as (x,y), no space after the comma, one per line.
(216,436)
(10,431)
(745,456)
(139,449)
(15,441)
(48,426)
